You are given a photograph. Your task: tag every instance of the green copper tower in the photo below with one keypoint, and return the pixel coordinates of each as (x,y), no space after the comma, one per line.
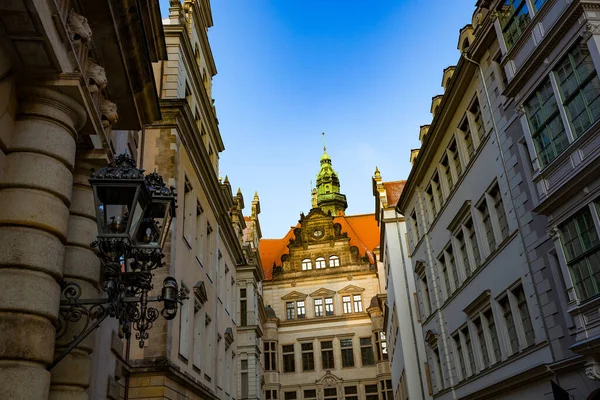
(329,198)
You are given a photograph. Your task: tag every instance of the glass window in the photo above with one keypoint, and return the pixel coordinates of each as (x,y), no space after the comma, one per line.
(467,137)
(482,344)
(301,309)
(500,213)
(270,356)
(381,345)
(306,264)
(425,296)
(524,314)
(318,307)
(334,261)
(327,355)
(580,88)
(347,352)
(350,393)
(514,18)
(486,221)
(310,394)
(357,299)
(455,157)
(439,378)
(289,310)
(459,356)
(582,251)
(469,348)
(289,364)
(445,276)
(308,357)
(329,306)
(446,172)
(330,394)
(462,248)
(271,394)
(366,351)
(320,263)
(372,392)
(437,189)
(493,334)
(477,119)
(387,393)
(537,4)
(473,240)
(449,257)
(347,304)
(510,325)
(289,396)
(547,130)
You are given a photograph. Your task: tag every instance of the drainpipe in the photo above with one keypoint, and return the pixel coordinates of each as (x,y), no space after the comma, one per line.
(409,303)
(217,291)
(512,199)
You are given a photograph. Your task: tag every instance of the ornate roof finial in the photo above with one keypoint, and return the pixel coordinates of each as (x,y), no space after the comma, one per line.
(324,145)
(377,173)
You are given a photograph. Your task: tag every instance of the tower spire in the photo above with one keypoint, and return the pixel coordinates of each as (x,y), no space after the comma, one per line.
(328,196)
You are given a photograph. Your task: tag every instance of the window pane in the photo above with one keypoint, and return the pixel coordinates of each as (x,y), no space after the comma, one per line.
(525,317)
(366,351)
(514,18)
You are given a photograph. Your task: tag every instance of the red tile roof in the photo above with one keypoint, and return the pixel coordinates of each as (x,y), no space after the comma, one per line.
(393,190)
(362,230)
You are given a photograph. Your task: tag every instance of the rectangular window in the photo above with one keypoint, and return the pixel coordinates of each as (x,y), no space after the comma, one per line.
(243,308)
(347,352)
(270,355)
(462,249)
(581,246)
(329,306)
(509,322)
(537,4)
(473,241)
(184,327)
(477,119)
(330,394)
(310,394)
(489,317)
(446,172)
(381,345)
(308,357)
(580,88)
(430,202)
(289,365)
(486,221)
(514,18)
(414,225)
(524,314)
(455,158)
(301,309)
(500,213)
(387,392)
(445,274)
(425,296)
(289,310)
(547,130)
(366,351)
(357,299)
(290,395)
(347,304)
(271,394)
(451,262)
(467,138)
(350,393)
(327,355)
(459,356)
(439,378)
(372,393)
(469,348)
(199,230)
(482,344)
(437,190)
(189,212)
(318,307)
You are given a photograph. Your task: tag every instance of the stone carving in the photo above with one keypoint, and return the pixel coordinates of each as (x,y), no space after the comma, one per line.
(520,109)
(592,370)
(108,112)
(96,76)
(552,231)
(589,30)
(78,27)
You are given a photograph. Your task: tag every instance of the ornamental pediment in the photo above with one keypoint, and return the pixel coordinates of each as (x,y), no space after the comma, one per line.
(322,293)
(328,379)
(351,289)
(294,295)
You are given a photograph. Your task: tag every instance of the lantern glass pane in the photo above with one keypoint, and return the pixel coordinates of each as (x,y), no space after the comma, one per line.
(115,215)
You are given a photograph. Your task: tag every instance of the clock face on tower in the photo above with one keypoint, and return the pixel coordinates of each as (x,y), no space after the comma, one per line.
(317,233)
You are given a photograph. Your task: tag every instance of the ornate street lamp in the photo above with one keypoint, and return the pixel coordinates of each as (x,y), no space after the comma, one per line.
(134,213)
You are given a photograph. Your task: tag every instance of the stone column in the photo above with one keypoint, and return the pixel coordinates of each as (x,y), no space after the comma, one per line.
(35,195)
(71,376)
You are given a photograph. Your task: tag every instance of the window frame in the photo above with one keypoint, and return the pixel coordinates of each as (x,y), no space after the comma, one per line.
(346,351)
(288,358)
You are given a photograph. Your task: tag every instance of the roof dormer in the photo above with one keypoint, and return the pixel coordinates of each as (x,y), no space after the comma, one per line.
(465,38)
(423,132)
(413,155)
(435,103)
(448,72)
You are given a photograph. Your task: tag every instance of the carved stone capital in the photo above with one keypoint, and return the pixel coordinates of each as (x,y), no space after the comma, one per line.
(108,112)
(96,76)
(520,109)
(552,231)
(590,29)
(592,370)
(78,27)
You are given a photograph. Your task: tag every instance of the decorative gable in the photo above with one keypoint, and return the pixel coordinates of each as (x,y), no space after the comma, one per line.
(322,293)
(350,289)
(294,296)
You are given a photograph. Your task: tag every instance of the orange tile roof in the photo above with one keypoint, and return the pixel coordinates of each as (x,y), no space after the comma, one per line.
(393,190)
(362,230)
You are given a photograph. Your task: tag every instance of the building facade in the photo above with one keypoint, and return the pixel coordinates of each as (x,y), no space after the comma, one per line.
(193,356)
(502,222)
(66,69)
(323,336)
(402,321)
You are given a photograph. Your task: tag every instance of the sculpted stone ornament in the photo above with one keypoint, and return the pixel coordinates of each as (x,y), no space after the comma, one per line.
(108,112)
(520,109)
(589,30)
(96,76)
(592,370)
(78,27)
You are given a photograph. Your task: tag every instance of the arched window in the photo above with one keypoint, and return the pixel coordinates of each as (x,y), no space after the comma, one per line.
(306,264)
(334,261)
(320,263)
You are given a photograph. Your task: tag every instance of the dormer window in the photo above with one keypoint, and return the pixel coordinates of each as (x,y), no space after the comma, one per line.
(320,263)
(306,264)
(334,261)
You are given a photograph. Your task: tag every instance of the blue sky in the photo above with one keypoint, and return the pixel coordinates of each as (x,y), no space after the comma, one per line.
(363,72)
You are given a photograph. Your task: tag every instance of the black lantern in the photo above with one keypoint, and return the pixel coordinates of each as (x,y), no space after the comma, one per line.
(170,297)
(157,217)
(121,198)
